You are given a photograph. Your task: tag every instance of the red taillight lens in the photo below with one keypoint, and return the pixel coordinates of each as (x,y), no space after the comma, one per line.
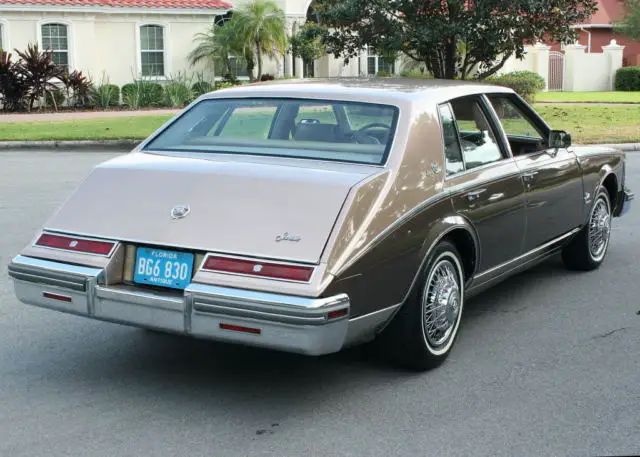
(75,244)
(257,268)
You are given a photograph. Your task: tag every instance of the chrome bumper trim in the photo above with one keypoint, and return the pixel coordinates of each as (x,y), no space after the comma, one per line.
(285,322)
(52,273)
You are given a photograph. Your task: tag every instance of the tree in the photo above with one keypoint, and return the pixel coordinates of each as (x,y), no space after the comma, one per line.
(308,42)
(630,24)
(261,27)
(453,38)
(216,45)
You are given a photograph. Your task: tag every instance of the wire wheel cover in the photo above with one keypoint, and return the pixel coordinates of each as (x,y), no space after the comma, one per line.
(599,229)
(441,303)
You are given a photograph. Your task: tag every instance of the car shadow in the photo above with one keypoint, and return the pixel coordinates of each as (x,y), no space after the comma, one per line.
(201,371)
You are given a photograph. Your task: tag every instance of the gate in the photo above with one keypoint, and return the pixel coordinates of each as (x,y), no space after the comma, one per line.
(556,71)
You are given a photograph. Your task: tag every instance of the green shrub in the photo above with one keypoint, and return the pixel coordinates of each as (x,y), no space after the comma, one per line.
(142,94)
(628,79)
(105,95)
(56,95)
(525,83)
(224,84)
(177,94)
(201,87)
(416,74)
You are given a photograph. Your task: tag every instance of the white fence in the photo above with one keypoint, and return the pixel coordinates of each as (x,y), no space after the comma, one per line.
(574,70)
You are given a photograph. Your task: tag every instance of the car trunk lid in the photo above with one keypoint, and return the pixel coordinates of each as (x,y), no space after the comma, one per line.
(261,208)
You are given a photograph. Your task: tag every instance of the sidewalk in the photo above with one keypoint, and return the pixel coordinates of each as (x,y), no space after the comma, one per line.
(72,115)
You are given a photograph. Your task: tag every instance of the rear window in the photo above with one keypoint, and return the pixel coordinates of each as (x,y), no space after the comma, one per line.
(310,129)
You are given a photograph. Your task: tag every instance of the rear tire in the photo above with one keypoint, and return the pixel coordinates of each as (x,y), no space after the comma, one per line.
(423,332)
(588,249)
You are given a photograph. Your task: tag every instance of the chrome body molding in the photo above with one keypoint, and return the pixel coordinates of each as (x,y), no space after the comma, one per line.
(526,260)
(312,326)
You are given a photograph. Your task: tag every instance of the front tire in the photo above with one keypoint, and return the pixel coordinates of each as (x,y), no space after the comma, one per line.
(589,247)
(424,331)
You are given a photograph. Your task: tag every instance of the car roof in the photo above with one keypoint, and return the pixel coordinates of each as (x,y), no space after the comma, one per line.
(435,90)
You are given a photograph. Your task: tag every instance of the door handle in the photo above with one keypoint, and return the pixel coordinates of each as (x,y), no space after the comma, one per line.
(495,197)
(474,195)
(528,176)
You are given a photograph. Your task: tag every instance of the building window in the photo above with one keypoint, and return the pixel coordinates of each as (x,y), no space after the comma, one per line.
(1,35)
(152,50)
(55,39)
(378,64)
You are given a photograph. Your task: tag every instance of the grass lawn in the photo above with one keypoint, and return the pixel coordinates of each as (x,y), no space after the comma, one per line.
(589,97)
(595,124)
(587,124)
(113,128)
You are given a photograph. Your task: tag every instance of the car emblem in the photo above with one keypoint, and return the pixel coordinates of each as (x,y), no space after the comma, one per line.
(180,211)
(73,244)
(257,268)
(286,237)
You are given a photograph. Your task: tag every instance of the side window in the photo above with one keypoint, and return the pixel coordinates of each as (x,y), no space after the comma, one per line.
(452,150)
(514,122)
(477,138)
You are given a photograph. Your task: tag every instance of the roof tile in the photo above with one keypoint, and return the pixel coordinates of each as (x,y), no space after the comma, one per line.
(173,4)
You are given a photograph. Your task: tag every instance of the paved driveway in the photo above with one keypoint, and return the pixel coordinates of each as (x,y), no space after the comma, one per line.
(547,364)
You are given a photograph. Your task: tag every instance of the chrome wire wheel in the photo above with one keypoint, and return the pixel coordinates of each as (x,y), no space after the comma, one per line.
(599,229)
(442,301)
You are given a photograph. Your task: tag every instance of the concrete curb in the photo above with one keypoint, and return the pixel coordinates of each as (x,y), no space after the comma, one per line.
(84,145)
(626,147)
(97,146)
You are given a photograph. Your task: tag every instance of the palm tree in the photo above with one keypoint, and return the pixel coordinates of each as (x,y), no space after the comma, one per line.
(217,44)
(261,25)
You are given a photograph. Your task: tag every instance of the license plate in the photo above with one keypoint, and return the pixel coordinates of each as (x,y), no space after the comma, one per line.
(158,267)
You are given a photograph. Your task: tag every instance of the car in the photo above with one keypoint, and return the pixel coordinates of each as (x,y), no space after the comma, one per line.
(309,216)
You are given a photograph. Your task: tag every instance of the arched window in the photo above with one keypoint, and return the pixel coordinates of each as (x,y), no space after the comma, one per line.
(152,50)
(55,38)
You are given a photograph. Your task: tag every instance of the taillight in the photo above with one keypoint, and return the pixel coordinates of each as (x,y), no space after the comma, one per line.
(257,268)
(69,243)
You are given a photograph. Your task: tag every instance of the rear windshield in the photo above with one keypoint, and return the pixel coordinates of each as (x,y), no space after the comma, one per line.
(311,129)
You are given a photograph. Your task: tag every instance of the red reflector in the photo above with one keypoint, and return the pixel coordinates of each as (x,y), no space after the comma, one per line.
(75,244)
(240,328)
(337,313)
(256,268)
(56,297)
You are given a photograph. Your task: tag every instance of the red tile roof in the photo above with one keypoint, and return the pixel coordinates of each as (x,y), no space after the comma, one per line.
(608,11)
(171,4)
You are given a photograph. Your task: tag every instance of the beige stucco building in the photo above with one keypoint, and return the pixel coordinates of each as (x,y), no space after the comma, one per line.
(121,40)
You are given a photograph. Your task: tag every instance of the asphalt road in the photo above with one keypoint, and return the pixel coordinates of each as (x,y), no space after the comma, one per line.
(547,364)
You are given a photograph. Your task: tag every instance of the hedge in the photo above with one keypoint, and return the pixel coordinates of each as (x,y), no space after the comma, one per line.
(628,79)
(526,83)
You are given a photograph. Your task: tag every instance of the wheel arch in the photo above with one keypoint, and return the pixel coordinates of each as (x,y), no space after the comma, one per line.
(459,231)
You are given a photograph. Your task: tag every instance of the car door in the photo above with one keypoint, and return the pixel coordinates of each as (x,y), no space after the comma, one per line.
(483,179)
(552,178)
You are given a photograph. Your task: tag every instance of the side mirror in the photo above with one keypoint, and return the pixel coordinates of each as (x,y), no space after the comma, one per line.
(559,139)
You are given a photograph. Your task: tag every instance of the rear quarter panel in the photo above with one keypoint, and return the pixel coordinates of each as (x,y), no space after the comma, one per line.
(598,162)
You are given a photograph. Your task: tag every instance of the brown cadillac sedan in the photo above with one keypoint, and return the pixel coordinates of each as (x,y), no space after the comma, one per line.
(307,216)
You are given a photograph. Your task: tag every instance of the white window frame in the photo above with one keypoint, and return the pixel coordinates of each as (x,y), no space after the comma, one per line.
(70,38)
(4,35)
(165,52)
(377,58)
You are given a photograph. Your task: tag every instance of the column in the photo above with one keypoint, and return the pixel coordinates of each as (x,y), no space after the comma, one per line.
(573,67)
(541,63)
(299,67)
(363,63)
(614,53)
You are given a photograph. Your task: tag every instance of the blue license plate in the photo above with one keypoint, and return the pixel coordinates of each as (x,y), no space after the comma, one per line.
(158,267)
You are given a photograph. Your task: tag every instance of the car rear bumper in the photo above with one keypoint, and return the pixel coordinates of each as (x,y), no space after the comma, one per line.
(312,326)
